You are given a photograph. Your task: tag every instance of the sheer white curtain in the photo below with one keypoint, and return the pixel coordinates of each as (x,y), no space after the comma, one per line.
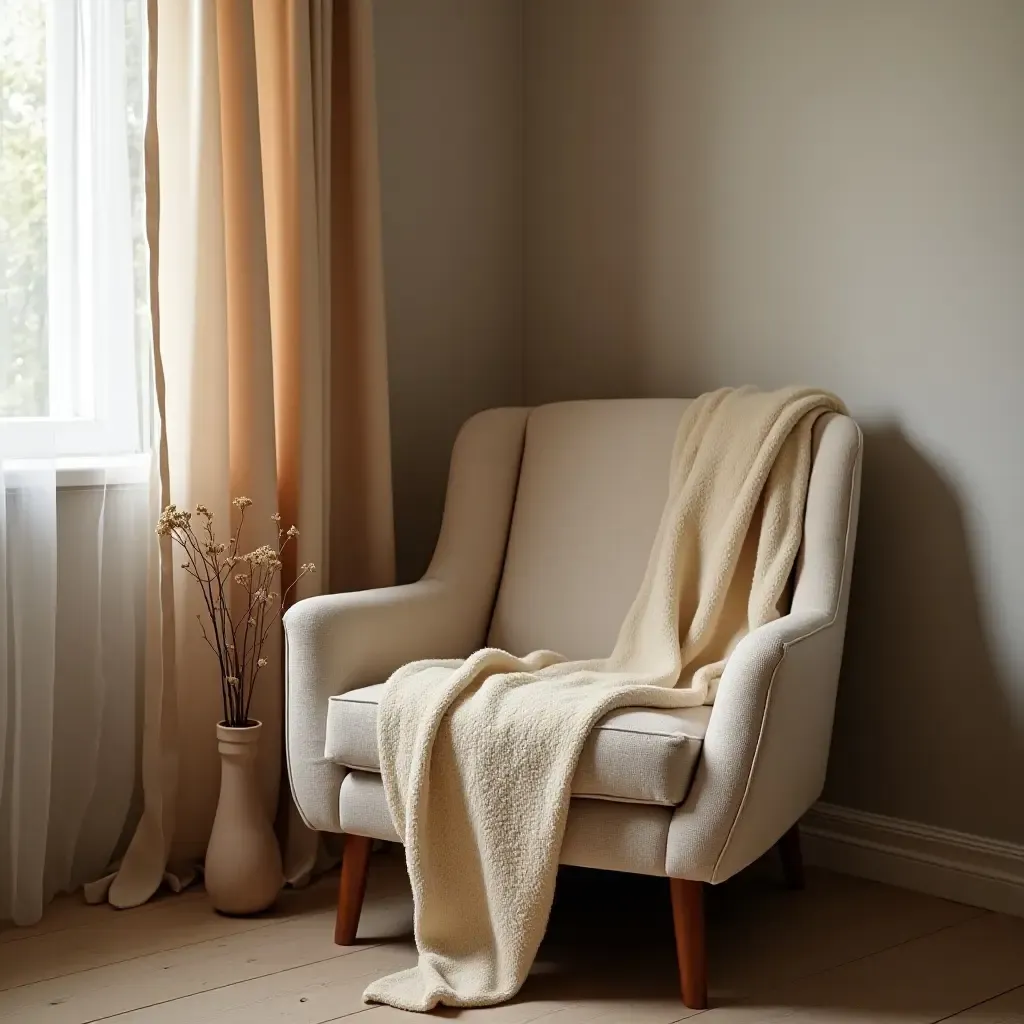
(75,522)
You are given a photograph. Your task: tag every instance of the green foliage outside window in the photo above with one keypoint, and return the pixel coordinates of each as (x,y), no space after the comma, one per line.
(24,355)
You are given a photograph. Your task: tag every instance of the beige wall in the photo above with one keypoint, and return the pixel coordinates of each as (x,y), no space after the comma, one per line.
(449,91)
(721,191)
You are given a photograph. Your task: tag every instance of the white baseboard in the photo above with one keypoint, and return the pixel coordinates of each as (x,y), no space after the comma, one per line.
(954,865)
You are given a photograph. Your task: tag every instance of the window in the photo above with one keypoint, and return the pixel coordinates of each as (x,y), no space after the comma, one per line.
(74,318)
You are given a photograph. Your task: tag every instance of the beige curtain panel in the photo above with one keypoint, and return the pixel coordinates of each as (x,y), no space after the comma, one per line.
(270,360)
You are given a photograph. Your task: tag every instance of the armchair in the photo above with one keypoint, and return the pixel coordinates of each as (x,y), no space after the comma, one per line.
(533,555)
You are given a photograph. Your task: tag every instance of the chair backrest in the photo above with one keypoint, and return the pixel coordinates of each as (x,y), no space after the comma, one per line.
(592,485)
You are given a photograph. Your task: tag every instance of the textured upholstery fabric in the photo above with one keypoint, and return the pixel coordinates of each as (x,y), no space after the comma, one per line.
(340,642)
(643,755)
(763,758)
(599,834)
(788,770)
(575,559)
(772,720)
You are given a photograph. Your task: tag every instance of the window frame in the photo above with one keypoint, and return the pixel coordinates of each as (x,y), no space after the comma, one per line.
(93,349)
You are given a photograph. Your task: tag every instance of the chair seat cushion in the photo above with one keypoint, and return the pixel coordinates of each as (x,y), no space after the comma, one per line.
(636,755)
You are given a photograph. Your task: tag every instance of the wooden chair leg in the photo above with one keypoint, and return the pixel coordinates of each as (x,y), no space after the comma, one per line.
(792,859)
(355,865)
(688,920)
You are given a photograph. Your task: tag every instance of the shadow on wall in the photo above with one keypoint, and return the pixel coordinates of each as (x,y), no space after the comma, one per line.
(584,275)
(719,195)
(627,277)
(919,688)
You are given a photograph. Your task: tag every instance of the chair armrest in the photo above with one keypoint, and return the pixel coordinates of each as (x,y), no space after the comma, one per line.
(766,750)
(764,756)
(340,642)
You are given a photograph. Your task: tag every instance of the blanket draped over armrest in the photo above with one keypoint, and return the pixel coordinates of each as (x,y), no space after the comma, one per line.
(477,756)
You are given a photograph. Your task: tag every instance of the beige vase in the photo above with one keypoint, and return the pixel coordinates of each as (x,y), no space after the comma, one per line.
(243,861)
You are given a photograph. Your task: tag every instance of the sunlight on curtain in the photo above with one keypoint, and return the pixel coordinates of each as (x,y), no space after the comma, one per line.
(74,376)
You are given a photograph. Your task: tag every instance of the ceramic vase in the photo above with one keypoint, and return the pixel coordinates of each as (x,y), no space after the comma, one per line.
(243,862)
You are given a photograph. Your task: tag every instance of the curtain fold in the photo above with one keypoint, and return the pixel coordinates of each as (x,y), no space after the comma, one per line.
(28,584)
(72,550)
(71,641)
(248,363)
(362,552)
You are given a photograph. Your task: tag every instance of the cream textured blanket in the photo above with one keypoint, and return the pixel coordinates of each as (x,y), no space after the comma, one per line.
(477,756)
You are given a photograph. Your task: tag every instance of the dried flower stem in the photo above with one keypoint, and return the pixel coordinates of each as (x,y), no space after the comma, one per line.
(239,663)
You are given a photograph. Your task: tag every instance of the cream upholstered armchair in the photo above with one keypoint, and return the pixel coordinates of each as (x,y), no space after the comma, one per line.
(533,554)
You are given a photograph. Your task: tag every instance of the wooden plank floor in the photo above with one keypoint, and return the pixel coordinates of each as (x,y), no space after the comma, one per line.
(843,951)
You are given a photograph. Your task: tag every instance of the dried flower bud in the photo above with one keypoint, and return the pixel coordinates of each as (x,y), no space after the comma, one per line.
(202,510)
(252,621)
(261,662)
(241,503)
(292,532)
(264,555)
(231,680)
(241,579)
(172,518)
(276,517)
(307,567)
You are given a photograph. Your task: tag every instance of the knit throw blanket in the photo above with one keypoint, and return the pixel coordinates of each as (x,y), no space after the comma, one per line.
(477,756)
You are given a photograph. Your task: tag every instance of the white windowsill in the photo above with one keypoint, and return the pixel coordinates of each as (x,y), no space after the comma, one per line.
(84,471)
